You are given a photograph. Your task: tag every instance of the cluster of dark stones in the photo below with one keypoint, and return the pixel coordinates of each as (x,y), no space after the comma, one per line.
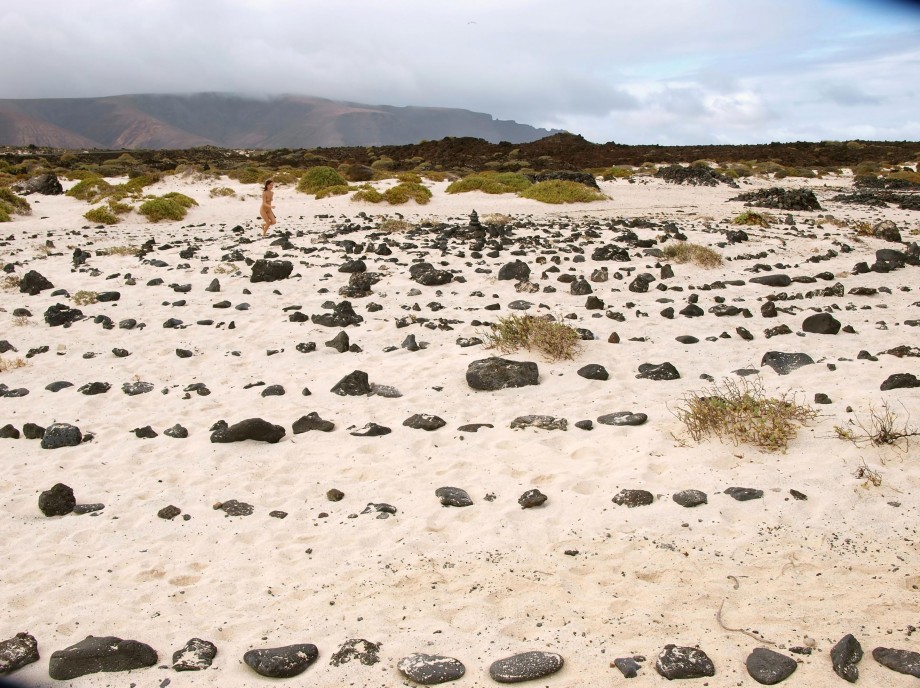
(779,198)
(695,176)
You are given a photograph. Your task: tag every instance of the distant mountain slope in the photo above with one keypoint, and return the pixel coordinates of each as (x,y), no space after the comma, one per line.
(232,121)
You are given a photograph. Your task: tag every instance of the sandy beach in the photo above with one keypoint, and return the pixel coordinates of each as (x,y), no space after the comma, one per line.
(580,575)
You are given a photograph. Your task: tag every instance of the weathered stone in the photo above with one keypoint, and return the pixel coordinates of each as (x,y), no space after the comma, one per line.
(541,422)
(900,381)
(453,496)
(623,418)
(18,651)
(281,662)
(689,498)
(58,501)
(363,651)
(902,661)
(768,667)
(61,435)
(33,283)
(271,270)
(352,385)
(633,498)
(845,655)
(821,323)
(683,662)
(516,270)
(498,373)
(100,654)
(526,666)
(743,494)
(431,670)
(784,363)
(312,421)
(662,371)
(593,371)
(195,656)
(424,421)
(250,429)
(531,499)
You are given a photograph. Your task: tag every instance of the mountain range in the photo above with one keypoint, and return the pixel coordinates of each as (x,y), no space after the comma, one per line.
(150,121)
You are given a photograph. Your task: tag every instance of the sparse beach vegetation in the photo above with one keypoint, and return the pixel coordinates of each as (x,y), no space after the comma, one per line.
(686,252)
(881,427)
(554,340)
(7,364)
(85,298)
(102,215)
(320,177)
(407,191)
(752,218)
(490,183)
(617,172)
(119,251)
(91,188)
(172,206)
(13,204)
(338,190)
(560,191)
(741,411)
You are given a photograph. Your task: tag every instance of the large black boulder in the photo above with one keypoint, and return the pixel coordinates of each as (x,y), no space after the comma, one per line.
(821,323)
(900,381)
(661,371)
(683,662)
(271,270)
(61,435)
(96,654)
(768,667)
(46,184)
(777,280)
(494,373)
(902,661)
(58,501)
(516,270)
(249,429)
(33,283)
(61,314)
(18,651)
(354,384)
(784,363)
(282,662)
(342,315)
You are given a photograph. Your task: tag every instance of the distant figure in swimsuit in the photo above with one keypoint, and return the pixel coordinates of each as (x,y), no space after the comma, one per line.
(268,215)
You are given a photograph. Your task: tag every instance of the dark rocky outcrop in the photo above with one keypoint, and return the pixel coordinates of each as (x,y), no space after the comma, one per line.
(250,429)
(281,662)
(98,654)
(492,374)
(271,270)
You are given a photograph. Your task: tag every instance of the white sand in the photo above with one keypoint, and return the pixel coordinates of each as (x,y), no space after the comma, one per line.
(479,583)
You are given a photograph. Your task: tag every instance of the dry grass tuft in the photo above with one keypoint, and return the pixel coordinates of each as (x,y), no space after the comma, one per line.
(10,282)
(395,225)
(555,340)
(120,251)
(740,411)
(85,298)
(220,191)
(752,218)
(685,252)
(881,428)
(12,364)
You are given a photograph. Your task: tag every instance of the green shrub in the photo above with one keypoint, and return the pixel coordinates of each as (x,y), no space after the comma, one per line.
(12,203)
(138,184)
(320,177)
(162,208)
(686,252)
(102,215)
(339,190)
(491,183)
(368,194)
(119,208)
(406,191)
(249,175)
(383,164)
(554,340)
(743,413)
(750,217)
(356,173)
(4,215)
(559,191)
(181,199)
(617,172)
(92,189)
(218,192)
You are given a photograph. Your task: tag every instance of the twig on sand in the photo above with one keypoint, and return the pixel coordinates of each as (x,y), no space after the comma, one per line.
(740,630)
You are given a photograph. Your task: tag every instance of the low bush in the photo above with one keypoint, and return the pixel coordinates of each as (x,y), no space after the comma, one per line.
(102,215)
(393,224)
(368,194)
(740,411)
(338,190)
(85,298)
(686,252)
(491,183)
(249,175)
(120,251)
(162,208)
(4,215)
(882,427)
(119,208)
(555,340)
(319,177)
(752,218)
(221,191)
(559,191)
(407,191)
(92,189)
(180,198)
(13,203)
(10,282)
(617,172)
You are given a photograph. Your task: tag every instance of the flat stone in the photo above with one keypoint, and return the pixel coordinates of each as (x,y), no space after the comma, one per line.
(633,498)
(784,363)
(281,662)
(424,421)
(845,655)
(453,496)
(661,371)
(900,381)
(18,651)
(526,666)
(743,494)
(255,429)
(902,661)
(492,374)
(100,654)
(357,649)
(431,670)
(768,667)
(195,656)
(623,418)
(683,662)
(689,498)
(541,422)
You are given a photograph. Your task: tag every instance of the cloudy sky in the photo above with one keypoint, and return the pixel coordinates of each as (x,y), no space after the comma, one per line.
(630,71)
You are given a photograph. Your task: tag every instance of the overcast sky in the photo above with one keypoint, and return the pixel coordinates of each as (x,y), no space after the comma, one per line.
(630,71)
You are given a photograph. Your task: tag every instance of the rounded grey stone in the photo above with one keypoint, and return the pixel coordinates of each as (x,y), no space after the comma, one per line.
(431,670)
(526,666)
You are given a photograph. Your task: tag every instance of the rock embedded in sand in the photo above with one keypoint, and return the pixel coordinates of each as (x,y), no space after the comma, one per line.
(62,315)
(526,666)
(431,670)
(271,270)
(768,667)
(312,421)
(358,649)
(845,655)
(743,494)
(93,388)
(134,388)
(424,421)
(18,651)
(633,498)
(33,283)
(426,275)
(676,662)
(61,435)
(516,270)
(689,498)
(594,371)
(281,662)
(775,280)
(661,371)
(491,374)
(352,385)
(541,422)
(9,432)
(176,432)
(453,496)
(902,661)
(168,513)
(900,381)
(195,656)
(233,507)
(784,363)
(628,666)
(98,654)
(821,323)
(46,184)
(250,429)
(532,498)
(623,418)
(372,430)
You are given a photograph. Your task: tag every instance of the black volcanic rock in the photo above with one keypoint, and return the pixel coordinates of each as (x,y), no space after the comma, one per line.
(46,184)
(660,371)
(499,373)
(342,315)
(773,280)
(784,363)
(845,655)
(58,501)
(424,421)
(62,315)
(17,652)
(593,371)
(900,381)
(312,421)
(250,429)
(902,661)
(61,435)
(271,270)
(526,666)
(195,656)
(33,283)
(352,385)
(431,670)
(633,498)
(821,323)
(281,662)
(768,667)
(516,270)
(683,662)
(453,496)
(98,654)
(689,498)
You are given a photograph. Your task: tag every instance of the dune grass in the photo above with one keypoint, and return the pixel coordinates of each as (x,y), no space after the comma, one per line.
(740,411)
(555,340)
(12,364)
(221,192)
(752,218)
(686,252)
(491,183)
(13,204)
(338,190)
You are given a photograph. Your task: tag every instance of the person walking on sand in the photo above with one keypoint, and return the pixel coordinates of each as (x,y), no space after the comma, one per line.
(268,215)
